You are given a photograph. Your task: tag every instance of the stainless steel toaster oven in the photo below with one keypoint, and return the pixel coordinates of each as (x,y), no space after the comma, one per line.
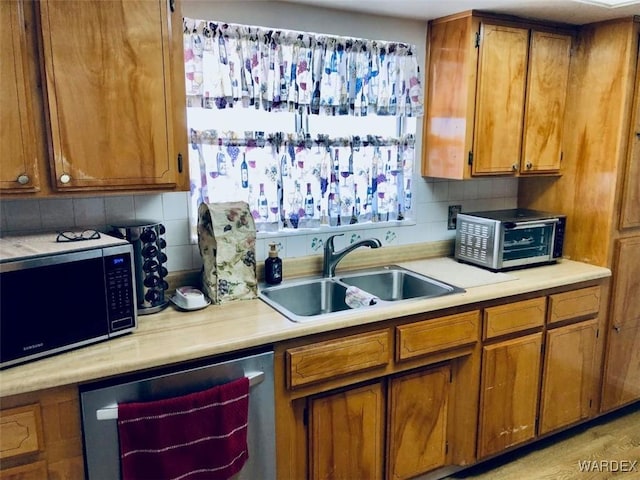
(506,239)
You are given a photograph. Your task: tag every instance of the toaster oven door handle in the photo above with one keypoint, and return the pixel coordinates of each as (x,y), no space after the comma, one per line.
(531,224)
(110,412)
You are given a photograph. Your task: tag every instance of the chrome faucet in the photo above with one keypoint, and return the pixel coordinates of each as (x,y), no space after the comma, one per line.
(331,257)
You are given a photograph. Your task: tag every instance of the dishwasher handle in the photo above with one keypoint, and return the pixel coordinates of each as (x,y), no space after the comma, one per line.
(111,412)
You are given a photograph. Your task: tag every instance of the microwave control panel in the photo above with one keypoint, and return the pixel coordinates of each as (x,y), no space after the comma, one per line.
(120,291)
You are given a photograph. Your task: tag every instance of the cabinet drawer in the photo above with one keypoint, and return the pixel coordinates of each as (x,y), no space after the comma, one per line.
(428,336)
(20,431)
(575,304)
(324,360)
(30,471)
(514,317)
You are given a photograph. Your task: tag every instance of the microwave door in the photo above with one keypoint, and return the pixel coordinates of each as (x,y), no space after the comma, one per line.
(527,242)
(51,307)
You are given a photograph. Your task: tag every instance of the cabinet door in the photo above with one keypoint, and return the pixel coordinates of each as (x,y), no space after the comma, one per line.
(569,378)
(500,99)
(547,81)
(509,393)
(418,404)
(109,92)
(346,434)
(630,215)
(17,63)
(622,371)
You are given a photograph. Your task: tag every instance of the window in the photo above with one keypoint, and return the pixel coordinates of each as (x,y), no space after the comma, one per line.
(268,125)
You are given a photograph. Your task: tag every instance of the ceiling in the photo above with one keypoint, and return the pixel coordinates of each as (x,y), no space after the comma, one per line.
(567,11)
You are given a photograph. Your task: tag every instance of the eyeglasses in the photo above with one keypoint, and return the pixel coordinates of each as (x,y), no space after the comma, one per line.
(69,236)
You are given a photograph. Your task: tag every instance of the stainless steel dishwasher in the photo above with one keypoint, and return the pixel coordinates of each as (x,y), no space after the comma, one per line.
(100,412)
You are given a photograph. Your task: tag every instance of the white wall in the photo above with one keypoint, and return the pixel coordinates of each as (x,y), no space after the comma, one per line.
(431,197)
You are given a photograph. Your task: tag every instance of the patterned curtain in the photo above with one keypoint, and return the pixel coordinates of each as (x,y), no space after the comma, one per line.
(292,183)
(230,66)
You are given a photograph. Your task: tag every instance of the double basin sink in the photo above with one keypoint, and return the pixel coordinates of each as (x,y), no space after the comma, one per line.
(321,298)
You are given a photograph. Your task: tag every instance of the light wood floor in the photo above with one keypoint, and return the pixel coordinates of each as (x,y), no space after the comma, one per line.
(612,438)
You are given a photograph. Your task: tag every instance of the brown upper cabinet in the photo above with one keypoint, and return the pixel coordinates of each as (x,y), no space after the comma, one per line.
(19,172)
(496,93)
(630,213)
(112,94)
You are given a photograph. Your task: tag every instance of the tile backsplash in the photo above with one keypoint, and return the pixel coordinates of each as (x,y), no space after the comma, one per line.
(431,200)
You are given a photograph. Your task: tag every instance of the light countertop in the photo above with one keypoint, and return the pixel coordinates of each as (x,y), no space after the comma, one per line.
(173,336)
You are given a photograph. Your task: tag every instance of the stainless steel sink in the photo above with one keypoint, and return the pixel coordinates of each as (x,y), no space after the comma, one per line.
(393,284)
(307,299)
(321,298)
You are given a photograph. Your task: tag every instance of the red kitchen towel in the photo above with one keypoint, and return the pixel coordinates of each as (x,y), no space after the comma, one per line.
(198,436)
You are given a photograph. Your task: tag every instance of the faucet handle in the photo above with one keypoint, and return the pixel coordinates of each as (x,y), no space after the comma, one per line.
(329,243)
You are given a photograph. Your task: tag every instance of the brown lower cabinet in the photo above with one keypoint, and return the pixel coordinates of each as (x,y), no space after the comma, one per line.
(536,383)
(509,396)
(418,410)
(570,377)
(354,421)
(390,416)
(41,436)
(409,396)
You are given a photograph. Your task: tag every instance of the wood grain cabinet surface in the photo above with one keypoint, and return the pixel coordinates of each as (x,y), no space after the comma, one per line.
(346,438)
(574,304)
(18,140)
(92,97)
(514,317)
(30,471)
(418,409)
(346,408)
(509,393)
(496,95)
(601,142)
(20,431)
(41,435)
(113,110)
(622,367)
(630,211)
(428,336)
(557,366)
(570,382)
(333,358)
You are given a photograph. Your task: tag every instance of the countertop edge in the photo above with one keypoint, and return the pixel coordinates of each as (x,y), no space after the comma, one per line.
(258,325)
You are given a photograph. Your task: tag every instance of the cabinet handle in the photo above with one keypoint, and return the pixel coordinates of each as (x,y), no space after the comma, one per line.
(110,412)
(23,179)
(65,178)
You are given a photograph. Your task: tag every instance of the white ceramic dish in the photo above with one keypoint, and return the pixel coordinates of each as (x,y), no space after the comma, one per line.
(189,298)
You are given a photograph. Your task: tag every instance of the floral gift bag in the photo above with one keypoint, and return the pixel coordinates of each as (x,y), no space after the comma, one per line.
(227,241)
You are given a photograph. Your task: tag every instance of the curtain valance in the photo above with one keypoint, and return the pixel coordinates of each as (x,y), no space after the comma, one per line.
(234,66)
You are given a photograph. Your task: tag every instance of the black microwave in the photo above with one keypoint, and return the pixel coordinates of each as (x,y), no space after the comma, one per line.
(57,296)
(508,239)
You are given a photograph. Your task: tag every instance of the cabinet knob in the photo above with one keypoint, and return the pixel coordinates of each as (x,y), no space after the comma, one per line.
(65,178)
(23,179)
(617,329)
(514,167)
(529,165)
